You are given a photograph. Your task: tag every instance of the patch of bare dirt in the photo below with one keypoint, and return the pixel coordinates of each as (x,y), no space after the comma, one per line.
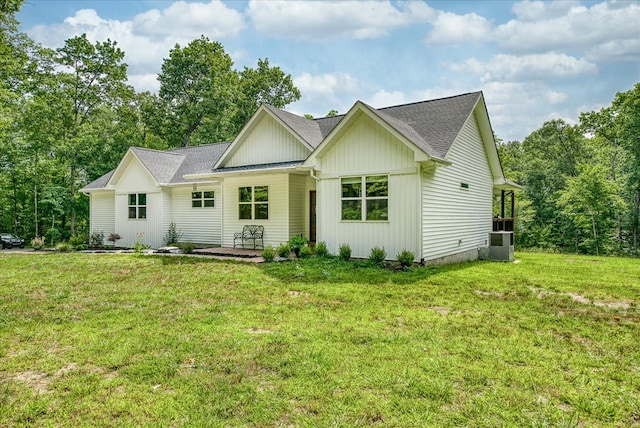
(255,330)
(578,298)
(489,293)
(37,381)
(440,310)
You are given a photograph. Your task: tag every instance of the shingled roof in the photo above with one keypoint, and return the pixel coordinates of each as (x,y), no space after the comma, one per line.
(170,166)
(431,125)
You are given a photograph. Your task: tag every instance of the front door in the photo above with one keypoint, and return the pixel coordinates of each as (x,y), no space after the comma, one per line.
(312,216)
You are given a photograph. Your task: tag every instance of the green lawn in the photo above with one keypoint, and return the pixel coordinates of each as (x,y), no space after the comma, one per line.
(132,340)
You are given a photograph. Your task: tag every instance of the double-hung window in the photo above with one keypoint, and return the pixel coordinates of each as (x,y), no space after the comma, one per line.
(138,205)
(202,199)
(253,203)
(365,198)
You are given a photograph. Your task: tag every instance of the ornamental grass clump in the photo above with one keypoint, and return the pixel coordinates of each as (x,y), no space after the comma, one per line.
(377,255)
(345,252)
(37,243)
(268,254)
(283,250)
(405,258)
(321,249)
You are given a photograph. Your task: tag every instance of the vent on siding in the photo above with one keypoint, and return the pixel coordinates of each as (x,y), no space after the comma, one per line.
(464,185)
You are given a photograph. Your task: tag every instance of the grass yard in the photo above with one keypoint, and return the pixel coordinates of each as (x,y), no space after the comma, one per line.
(132,340)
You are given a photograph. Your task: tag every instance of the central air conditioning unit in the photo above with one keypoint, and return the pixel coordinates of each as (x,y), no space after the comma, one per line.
(501,246)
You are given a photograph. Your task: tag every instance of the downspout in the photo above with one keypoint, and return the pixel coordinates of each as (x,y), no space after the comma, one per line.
(313,175)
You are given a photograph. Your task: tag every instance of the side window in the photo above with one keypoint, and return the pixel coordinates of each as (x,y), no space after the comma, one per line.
(203,199)
(137,205)
(253,203)
(365,198)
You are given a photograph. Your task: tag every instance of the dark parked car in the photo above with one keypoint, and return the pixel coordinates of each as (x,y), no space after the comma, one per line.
(9,241)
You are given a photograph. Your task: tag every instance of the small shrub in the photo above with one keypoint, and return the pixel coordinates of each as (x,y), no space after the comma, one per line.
(377,255)
(269,254)
(187,247)
(345,252)
(305,252)
(405,258)
(64,247)
(283,250)
(321,249)
(173,235)
(37,243)
(96,240)
(113,238)
(76,240)
(81,247)
(140,247)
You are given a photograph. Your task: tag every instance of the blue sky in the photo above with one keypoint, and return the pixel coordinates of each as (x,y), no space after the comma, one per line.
(534,60)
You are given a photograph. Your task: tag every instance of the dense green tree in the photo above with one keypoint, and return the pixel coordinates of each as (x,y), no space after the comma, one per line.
(197,87)
(202,99)
(591,201)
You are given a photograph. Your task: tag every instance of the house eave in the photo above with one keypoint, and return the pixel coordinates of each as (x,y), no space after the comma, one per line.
(222,174)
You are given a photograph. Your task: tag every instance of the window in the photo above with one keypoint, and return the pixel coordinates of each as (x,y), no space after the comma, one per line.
(202,199)
(253,203)
(137,205)
(372,204)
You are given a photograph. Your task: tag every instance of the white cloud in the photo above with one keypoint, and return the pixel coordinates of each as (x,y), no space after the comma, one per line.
(327,85)
(145,82)
(553,26)
(190,20)
(539,10)
(323,20)
(527,67)
(148,37)
(383,98)
(452,29)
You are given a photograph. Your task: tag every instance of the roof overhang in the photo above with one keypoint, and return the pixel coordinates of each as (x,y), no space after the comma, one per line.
(122,166)
(504,184)
(234,172)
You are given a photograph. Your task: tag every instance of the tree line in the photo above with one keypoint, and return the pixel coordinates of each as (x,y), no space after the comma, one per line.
(581,182)
(67,116)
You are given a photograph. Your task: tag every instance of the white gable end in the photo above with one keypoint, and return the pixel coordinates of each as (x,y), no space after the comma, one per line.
(134,177)
(268,142)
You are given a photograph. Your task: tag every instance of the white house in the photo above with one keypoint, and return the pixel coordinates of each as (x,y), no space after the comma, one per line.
(418,176)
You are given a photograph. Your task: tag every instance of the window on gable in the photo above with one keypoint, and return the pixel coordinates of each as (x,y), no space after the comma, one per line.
(253,203)
(138,205)
(372,204)
(202,199)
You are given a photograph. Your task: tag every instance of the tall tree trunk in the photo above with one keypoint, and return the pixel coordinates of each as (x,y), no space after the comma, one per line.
(73,195)
(636,220)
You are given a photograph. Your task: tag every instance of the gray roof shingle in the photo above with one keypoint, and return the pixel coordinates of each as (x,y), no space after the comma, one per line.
(431,125)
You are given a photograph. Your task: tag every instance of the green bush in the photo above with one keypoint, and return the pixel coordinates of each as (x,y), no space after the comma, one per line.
(96,240)
(305,252)
(268,254)
(345,252)
(81,247)
(76,240)
(405,258)
(377,255)
(173,235)
(283,250)
(54,235)
(37,243)
(187,247)
(64,247)
(140,247)
(321,249)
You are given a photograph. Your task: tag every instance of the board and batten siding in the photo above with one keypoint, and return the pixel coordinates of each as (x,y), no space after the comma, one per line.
(102,214)
(200,225)
(276,228)
(456,219)
(366,148)
(135,179)
(269,142)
